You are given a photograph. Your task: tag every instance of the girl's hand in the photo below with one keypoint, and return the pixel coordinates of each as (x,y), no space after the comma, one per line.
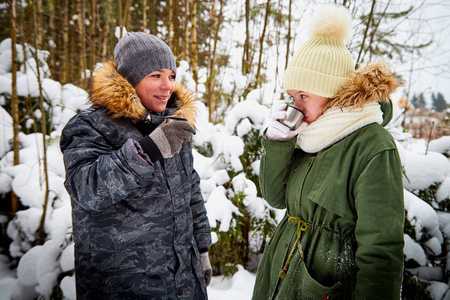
(278,131)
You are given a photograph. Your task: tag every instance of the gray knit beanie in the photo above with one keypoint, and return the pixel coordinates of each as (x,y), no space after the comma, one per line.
(138,54)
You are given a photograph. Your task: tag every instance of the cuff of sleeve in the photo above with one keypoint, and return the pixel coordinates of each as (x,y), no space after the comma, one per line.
(203,250)
(150,148)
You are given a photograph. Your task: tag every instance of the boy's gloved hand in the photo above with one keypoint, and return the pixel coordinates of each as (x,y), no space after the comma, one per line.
(277,130)
(169,137)
(206,264)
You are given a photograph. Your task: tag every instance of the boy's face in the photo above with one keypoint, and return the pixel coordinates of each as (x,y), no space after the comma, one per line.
(311,105)
(155,89)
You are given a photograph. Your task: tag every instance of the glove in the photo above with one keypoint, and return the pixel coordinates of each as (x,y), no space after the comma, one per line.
(277,130)
(169,136)
(206,264)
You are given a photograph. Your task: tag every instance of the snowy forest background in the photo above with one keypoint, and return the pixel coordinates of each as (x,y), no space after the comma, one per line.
(232,53)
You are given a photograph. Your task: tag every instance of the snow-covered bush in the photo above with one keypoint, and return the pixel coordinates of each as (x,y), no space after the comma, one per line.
(40,244)
(427,228)
(241,220)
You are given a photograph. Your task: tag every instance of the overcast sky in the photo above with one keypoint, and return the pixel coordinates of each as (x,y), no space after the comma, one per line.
(433,21)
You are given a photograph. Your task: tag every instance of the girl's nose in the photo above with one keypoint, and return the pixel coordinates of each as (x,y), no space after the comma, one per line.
(297,105)
(167,84)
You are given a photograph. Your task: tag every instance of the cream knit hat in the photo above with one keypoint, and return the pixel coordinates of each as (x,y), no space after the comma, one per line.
(323,65)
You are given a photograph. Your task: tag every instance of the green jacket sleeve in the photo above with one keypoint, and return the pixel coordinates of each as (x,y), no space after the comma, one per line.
(275,162)
(379,204)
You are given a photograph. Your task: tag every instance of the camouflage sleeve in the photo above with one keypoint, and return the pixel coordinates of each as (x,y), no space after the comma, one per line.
(202,230)
(98,176)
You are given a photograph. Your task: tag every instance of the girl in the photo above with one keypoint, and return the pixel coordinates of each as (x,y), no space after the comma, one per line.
(340,180)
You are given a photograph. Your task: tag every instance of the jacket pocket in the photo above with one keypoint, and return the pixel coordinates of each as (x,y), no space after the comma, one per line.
(300,285)
(333,203)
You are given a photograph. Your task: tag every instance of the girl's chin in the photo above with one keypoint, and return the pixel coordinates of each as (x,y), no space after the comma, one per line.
(157,109)
(160,109)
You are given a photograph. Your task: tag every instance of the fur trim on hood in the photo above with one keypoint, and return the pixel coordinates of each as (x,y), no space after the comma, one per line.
(113,92)
(374,82)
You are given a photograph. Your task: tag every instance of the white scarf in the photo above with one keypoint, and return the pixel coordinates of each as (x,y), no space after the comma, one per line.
(335,124)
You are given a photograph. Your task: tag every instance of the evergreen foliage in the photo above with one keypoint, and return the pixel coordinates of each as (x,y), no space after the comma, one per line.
(419,101)
(439,102)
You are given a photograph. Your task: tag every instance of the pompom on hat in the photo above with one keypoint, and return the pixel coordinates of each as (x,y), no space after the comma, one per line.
(323,65)
(138,54)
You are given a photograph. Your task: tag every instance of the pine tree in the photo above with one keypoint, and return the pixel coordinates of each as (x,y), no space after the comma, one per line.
(418,101)
(438,101)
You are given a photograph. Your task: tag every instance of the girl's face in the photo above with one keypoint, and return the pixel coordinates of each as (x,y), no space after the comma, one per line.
(311,105)
(155,89)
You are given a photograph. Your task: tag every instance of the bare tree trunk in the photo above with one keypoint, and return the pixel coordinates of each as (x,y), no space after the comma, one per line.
(120,12)
(65,60)
(194,43)
(176,29)
(289,34)
(14,99)
(288,40)
(53,35)
(153,18)
(103,33)
(144,15)
(39,30)
(170,31)
(127,15)
(92,31)
(261,45)
(73,69)
(246,54)
(185,47)
(109,28)
(369,20)
(82,40)
(44,131)
(212,99)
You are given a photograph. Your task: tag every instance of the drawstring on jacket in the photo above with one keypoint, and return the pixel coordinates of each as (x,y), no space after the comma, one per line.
(301,226)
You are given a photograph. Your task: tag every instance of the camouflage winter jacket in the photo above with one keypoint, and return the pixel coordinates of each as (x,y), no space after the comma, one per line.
(138,225)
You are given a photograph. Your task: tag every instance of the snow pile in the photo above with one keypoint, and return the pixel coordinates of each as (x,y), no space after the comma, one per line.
(441,145)
(6,131)
(240,286)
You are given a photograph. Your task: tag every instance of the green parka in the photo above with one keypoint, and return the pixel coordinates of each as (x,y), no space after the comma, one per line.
(345,206)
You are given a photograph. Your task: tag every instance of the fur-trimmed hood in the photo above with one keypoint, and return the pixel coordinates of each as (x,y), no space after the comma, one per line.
(112,91)
(374,82)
